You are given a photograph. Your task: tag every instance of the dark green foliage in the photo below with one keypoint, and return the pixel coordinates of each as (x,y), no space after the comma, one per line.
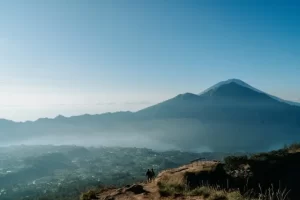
(280,168)
(200,191)
(210,176)
(233,162)
(90,195)
(170,189)
(294,147)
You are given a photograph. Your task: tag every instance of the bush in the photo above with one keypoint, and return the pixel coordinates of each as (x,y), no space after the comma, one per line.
(233,162)
(91,194)
(200,191)
(170,189)
(235,196)
(294,147)
(219,195)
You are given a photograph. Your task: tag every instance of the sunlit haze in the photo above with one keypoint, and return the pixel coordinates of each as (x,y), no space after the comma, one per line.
(77,57)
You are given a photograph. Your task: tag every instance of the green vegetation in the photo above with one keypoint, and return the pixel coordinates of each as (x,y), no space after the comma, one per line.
(206,192)
(233,162)
(91,194)
(170,189)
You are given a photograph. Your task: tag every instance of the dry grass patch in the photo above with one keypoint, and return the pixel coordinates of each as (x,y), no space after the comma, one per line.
(91,194)
(214,193)
(166,190)
(200,191)
(179,176)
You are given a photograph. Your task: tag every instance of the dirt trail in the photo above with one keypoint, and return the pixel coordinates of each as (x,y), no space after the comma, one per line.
(150,191)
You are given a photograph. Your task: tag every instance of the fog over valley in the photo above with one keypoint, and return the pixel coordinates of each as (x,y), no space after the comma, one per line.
(230,117)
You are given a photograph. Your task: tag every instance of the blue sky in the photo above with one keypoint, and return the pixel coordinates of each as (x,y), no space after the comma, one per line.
(73,57)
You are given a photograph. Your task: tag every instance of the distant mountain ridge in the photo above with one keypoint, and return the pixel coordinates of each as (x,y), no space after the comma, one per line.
(229,116)
(185,95)
(227,95)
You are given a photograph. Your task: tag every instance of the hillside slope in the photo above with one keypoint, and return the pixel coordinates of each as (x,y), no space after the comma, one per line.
(242,83)
(153,190)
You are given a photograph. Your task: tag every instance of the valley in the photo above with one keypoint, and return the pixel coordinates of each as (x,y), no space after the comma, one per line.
(47,172)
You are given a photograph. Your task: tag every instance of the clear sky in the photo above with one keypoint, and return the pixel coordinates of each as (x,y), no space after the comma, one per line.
(75,57)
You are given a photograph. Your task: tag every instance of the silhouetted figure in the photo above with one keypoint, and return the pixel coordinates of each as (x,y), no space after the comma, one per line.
(149,175)
(152,174)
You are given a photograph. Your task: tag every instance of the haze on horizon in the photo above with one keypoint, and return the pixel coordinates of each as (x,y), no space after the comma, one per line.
(77,57)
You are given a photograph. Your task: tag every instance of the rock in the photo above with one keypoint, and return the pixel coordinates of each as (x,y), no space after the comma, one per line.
(136,189)
(119,190)
(110,198)
(178,195)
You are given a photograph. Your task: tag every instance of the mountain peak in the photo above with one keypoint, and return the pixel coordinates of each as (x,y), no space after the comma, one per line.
(187,96)
(238,81)
(60,117)
(244,84)
(233,89)
(233,80)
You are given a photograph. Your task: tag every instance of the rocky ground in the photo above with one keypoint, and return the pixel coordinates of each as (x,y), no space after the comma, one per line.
(151,191)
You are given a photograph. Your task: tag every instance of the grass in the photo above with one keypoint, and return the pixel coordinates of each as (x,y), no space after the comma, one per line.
(271,194)
(91,194)
(215,193)
(166,190)
(175,184)
(200,191)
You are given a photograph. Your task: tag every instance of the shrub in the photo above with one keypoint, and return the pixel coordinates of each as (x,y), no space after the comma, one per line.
(170,189)
(233,162)
(218,195)
(294,147)
(91,194)
(236,195)
(200,191)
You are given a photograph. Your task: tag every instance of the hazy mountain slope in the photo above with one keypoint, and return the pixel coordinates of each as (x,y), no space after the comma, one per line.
(227,102)
(229,117)
(242,83)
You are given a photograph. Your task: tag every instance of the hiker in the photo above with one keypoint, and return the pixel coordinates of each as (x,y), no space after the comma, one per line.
(149,175)
(152,174)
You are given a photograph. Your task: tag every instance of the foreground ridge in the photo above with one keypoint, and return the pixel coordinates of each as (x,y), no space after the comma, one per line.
(273,175)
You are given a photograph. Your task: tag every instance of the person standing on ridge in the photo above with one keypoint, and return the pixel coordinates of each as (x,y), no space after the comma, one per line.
(152,174)
(148,174)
